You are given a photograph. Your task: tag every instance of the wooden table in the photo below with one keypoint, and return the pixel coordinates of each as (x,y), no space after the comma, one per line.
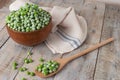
(102,64)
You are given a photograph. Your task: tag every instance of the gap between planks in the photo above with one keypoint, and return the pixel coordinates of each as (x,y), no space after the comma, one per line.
(99,48)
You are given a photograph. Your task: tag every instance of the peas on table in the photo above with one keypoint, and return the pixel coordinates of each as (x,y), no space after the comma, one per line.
(41,60)
(28,72)
(28,18)
(14,65)
(32,73)
(28,60)
(22,69)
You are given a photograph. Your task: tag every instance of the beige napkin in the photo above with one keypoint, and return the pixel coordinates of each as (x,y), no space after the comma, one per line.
(69,29)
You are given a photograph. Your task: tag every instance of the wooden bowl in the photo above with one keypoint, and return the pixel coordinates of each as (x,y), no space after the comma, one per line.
(30,38)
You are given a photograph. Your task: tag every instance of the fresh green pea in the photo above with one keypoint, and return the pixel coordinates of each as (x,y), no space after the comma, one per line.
(23,79)
(30,60)
(21,69)
(14,67)
(28,73)
(32,74)
(24,68)
(26,61)
(29,53)
(41,60)
(15,63)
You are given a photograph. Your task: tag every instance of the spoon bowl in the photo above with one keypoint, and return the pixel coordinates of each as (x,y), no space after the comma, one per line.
(62,62)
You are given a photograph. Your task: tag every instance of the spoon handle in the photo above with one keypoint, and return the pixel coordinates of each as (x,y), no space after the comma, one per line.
(89,49)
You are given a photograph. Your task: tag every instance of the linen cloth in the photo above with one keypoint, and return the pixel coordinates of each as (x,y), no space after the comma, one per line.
(69,29)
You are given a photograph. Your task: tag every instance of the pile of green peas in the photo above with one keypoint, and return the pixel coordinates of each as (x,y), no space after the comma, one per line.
(28,18)
(48,67)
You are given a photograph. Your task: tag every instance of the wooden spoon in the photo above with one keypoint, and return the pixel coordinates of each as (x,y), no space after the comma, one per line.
(62,62)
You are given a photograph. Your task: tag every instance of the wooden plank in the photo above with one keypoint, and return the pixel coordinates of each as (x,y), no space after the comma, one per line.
(108,64)
(8,53)
(3,3)
(83,67)
(4,11)
(65,3)
(111,2)
(3,37)
(2,19)
(3,33)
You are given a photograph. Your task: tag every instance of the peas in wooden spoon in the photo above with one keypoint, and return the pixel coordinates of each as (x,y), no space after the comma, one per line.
(64,61)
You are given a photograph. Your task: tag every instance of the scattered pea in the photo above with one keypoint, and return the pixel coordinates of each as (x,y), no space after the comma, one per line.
(29,53)
(22,69)
(32,73)
(30,60)
(26,61)
(23,79)
(28,73)
(41,60)
(14,65)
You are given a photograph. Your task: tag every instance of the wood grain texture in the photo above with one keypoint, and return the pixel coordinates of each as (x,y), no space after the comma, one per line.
(83,68)
(3,33)
(77,4)
(108,63)
(8,53)
(3,3)
(110,2)
(3,37)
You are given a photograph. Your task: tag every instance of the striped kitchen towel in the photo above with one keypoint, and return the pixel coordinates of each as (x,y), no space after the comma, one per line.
(69,29)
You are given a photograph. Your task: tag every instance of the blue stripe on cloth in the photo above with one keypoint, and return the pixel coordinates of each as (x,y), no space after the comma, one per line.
(77,41)
(73,41)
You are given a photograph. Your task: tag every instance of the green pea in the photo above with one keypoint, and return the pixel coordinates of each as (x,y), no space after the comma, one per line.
(32,74)
(38,27)
(45,72)
(23,79)
(26,61)
(30,60)
(21,69)
(41,60)
(33,29)
(8,24)
(29,53)
(39,69)
(28,73)
(14,67)
(15,63)
(24,68)
(23,30)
